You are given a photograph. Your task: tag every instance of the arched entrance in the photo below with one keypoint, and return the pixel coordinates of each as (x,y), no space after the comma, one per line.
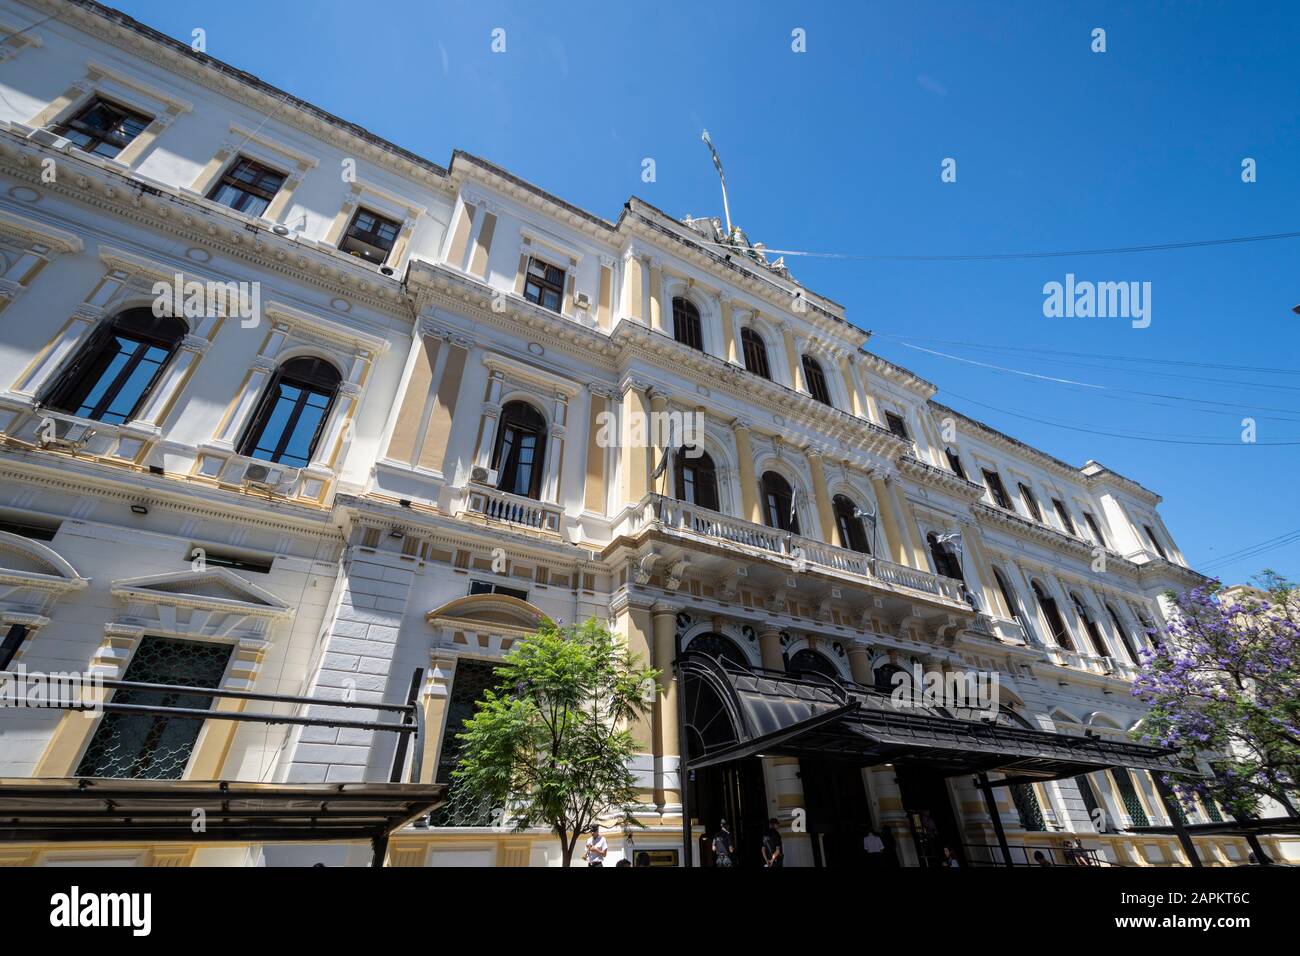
(733,791)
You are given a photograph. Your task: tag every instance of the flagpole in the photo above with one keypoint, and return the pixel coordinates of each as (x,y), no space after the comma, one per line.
(726,208)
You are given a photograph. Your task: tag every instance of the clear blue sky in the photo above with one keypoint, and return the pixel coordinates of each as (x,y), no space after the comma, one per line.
(839,149)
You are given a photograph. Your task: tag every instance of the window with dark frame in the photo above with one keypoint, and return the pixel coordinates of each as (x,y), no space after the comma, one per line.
(946,562)
(815,379)
(999,492)
(103,127)
(14,638)
(544,284)
(1155,541)
(520,450)
(755,353)
(1055,622)
(1064,514)
(370,236)
(852,529)
(292,412)
(1123,633)
(1096,529)
(697,480)
(487,587)
(897,425)
(686,324)
(1013,606)
(25,529)
(118,367)
(234,562)
(778,503)
(1031,503)
(954,462)
(1090,626)
(156,746)
(247,187)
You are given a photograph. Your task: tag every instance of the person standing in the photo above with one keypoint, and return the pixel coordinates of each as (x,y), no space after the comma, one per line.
(950,859)
(723,846)
(875,849)
(597,847)
(773,850)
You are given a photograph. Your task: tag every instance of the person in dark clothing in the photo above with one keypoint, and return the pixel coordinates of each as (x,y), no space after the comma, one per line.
(773,850)
(723,846)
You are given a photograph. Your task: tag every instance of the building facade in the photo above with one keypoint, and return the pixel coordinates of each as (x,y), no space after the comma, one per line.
(392,414)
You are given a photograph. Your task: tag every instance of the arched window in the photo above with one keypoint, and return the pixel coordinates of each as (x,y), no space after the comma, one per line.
(520,450)
(686,324)
(853,533)
(884,678)
(719,646)
(292,412)
(1089,625)
(816,380)
(778,503)
(1055,623)
(808,661)
(1123,633)
(755,353)
(697,479)
(118,367)
(945,560)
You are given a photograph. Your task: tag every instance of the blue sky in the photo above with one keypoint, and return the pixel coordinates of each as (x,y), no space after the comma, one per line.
(838,149)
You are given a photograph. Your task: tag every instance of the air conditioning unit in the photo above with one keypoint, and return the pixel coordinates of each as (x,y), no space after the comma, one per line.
(581,300)
(47,137)
(483,476)
(269,477)
(65,434)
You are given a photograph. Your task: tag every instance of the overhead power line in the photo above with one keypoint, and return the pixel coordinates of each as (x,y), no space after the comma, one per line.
(1005,256)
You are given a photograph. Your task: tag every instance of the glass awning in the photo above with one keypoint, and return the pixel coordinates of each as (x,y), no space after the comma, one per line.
(734,712)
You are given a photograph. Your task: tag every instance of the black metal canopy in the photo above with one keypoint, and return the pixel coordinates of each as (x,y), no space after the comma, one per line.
(735,712)
(101,810)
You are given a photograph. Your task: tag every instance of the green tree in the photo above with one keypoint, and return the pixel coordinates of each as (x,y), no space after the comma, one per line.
(552,742)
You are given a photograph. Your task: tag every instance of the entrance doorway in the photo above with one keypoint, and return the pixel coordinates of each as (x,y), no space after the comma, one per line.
(839,814)
(733,792)
(929,815)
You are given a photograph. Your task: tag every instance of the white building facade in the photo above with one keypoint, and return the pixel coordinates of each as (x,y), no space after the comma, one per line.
(407,432)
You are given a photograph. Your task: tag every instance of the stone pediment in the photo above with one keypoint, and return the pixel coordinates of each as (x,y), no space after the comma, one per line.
(218,588)
(495,612)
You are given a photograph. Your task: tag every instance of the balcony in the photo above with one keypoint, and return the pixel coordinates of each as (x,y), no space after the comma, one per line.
(688,523)
(491,504)
(1000,629)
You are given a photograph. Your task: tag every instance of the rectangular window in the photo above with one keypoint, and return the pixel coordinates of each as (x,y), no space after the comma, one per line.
(1031,503)
(9,646)
(156,746)
(1160,550)
(897,425)
(487,587)
(1095,528)
(247,187)
(954,462)
(1064,514)
(40,532)
(544,284)
(997,490)
(232,561)
(103,128)
(370,236)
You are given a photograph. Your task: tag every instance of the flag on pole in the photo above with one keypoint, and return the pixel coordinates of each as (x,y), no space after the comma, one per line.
(713,152)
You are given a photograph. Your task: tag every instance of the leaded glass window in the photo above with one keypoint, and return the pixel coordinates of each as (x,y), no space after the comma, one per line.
(156,746)
(470,683)
(1026,801)
(1129,795)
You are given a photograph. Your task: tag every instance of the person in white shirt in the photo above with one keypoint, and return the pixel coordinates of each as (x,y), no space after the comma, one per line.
(597,847)
(874,847)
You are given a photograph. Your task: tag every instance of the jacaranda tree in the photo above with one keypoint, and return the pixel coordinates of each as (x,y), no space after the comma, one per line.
(552,743)
(1223,685)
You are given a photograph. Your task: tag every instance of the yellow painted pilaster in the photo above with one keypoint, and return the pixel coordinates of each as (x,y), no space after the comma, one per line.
(749,505)
(825,514)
